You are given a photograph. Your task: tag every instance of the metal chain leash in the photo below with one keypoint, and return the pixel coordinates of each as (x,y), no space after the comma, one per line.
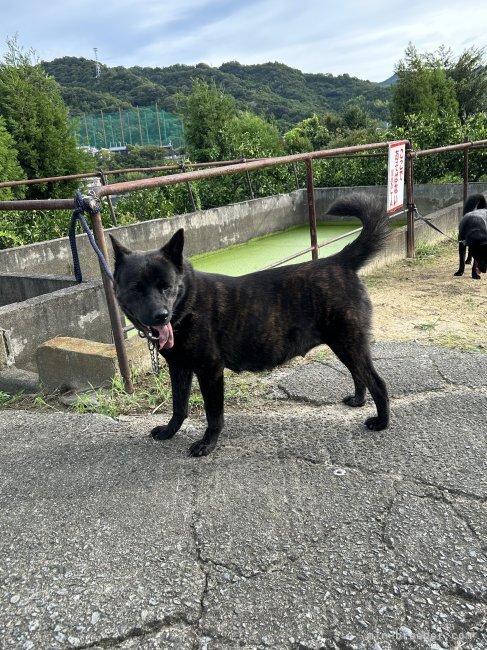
(154,355)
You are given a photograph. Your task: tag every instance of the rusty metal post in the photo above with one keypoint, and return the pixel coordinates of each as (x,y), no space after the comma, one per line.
(118,335)
(191,196)
(190,190)
(465,174)
(182,167)
(311,209)
(410,243)
(103,180)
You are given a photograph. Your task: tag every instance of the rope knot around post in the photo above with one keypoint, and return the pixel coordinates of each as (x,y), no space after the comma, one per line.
(92,205)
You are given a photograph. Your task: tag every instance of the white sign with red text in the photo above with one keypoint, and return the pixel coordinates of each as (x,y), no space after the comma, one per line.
(395,176)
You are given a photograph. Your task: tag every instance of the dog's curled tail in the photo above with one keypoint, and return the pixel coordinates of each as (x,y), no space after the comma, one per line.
(375,230)
(474,202)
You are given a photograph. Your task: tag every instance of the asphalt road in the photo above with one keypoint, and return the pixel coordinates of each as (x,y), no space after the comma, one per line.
(303,530)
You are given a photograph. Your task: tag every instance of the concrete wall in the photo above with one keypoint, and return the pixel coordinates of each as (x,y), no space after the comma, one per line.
(446,220)
(79,311)
(20,287)
(205,231)
(428,198)
(211,229)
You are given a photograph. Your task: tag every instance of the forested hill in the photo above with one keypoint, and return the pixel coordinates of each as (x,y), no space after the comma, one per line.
(271,89)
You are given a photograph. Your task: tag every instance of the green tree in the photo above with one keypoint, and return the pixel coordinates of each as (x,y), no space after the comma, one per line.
(475,128)
(428,132)
(37,119)
(246,135)
(10,170)
(355,116)
(422,88)
(206,111)
(469,74)
(250,136)
(309,135)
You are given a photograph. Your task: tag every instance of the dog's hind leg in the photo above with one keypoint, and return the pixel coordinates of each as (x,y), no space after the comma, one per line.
(378,390)
(181,379)
(475,270)
(358,399)
(212,389)
(359,362)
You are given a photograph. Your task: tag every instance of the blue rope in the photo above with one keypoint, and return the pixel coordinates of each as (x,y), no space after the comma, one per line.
(79,209)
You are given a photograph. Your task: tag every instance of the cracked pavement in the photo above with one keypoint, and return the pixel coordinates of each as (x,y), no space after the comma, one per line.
(303,530)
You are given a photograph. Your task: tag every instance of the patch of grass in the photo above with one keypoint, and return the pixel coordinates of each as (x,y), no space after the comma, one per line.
(321,353)
(153,394)
(429,252)
(9,400)
(150,394)
(456,342)
(425,326)
(373,280)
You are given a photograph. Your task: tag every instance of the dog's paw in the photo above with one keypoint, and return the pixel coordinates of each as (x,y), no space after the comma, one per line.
(375,424)
(352,400)
(476,277)
(201,448)
(458,273)
(162,433)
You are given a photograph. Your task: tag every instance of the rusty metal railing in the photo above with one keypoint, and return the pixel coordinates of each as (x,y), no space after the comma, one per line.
(211,170)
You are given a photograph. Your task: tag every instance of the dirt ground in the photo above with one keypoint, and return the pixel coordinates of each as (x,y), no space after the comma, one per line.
(421,300)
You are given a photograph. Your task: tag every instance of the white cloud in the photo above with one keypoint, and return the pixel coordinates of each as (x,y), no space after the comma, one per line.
(362,39)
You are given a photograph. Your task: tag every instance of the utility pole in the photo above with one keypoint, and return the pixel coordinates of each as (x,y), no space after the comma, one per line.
(97,64)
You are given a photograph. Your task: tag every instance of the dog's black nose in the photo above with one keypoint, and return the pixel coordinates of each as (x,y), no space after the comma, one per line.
(160,317)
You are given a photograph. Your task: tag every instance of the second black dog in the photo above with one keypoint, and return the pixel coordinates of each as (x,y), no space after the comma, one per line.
(206,322)
(472,234)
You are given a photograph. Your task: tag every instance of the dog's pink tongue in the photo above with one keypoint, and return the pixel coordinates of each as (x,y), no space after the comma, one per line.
(166,336)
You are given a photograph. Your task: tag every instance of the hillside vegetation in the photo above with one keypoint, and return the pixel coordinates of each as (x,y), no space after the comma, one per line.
(272,90)
(231,112)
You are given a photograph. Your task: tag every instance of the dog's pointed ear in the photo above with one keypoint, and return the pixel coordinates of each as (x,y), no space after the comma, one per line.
(119,249)
(174,248)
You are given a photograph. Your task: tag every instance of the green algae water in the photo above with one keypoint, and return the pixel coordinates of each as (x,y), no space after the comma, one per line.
(260,252)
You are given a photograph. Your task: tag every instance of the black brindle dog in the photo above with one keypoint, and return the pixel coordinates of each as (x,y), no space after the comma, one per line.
(206,322)
(472,233)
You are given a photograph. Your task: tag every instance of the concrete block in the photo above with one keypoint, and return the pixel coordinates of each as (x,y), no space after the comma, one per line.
(66,363)
(15,380)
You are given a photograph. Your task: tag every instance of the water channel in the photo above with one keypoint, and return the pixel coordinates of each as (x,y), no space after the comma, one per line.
(262,251)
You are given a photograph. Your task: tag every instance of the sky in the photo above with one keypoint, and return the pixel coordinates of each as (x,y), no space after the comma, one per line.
(363,38)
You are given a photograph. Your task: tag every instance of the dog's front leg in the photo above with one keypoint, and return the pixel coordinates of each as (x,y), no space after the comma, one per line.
(461,254)
(181,379)
(211,385)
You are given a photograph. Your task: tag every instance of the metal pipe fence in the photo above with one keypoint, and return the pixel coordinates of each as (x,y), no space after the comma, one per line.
(203,171)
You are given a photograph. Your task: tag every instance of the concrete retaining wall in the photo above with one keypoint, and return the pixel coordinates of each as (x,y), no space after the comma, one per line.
(20,287)
(78,311)
(428,198)
(205,231)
